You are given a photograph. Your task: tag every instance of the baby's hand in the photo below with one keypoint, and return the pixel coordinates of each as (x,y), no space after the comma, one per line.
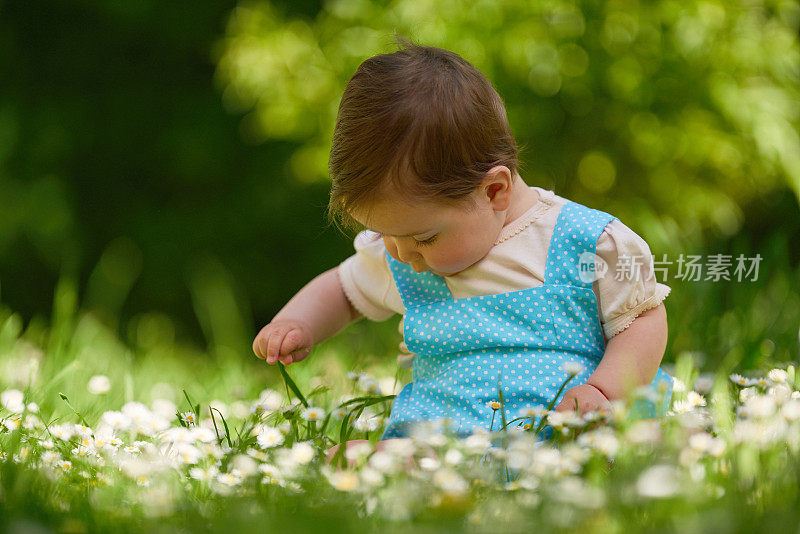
(589,399)
(287,340)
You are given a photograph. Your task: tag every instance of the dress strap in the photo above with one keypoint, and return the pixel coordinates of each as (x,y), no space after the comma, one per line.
(571,257)
(417,289)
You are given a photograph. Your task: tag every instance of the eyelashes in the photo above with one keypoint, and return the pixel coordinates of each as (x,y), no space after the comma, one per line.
(424,243)
(428,241)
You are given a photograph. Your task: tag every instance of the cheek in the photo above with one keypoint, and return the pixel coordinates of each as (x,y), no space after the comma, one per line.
(444,255)
(457,254)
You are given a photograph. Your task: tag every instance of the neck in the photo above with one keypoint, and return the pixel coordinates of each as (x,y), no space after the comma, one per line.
(523,199)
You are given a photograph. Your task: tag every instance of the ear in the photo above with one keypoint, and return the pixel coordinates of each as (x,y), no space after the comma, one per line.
(496,187)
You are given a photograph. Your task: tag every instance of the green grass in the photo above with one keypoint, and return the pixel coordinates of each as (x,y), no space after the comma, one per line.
(596,492)
(596,480)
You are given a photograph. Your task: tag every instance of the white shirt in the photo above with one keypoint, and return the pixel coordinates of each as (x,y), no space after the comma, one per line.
(516,261)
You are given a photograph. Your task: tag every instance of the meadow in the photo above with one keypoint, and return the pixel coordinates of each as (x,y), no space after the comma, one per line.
(97,436)
(163,190)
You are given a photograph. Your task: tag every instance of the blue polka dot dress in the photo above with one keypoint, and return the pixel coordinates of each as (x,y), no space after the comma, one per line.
(520,339)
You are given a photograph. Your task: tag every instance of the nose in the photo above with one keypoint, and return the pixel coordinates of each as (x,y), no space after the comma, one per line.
(405,251)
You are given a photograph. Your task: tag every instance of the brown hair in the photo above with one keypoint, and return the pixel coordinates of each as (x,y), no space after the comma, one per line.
(421,119)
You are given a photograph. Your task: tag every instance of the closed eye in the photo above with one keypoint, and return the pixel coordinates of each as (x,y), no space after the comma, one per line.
(423,243)
(426,242)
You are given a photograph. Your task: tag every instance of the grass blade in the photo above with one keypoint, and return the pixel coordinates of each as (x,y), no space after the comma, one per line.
(216,430)
(225,424)
(83,420)
(291,384)
(370,400)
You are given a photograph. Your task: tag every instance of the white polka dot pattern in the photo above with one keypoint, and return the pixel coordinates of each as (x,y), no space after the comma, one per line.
(522,338)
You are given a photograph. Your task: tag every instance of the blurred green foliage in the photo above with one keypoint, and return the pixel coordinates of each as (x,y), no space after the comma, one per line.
(671,114)
(164,165)
(121,170)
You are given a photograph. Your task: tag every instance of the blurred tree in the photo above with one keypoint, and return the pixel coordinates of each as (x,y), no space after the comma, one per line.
(679,113)
(119,166)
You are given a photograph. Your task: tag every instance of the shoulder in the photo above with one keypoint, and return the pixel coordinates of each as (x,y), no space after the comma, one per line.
(559,204)
(368,241)
(618,237)
(369,257)
(582,222)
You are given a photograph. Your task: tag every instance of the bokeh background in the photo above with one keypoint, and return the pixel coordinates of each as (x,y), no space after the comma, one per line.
(163,164)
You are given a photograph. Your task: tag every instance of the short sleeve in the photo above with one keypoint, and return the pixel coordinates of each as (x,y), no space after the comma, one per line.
(367,281)
(629,286)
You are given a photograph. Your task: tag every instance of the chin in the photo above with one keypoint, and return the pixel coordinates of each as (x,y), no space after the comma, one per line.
(422,268)
(449,272)
(446,273)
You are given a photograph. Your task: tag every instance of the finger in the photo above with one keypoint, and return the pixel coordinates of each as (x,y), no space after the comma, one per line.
(274,344)
(300,355)
(259,343)
(291,342)
(262,346)
(292,349)
(330,453)
(257,347)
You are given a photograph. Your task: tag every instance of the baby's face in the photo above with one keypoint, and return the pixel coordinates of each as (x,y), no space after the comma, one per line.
(431,236)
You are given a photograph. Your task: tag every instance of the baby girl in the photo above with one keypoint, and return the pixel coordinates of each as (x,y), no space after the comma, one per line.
(501,285)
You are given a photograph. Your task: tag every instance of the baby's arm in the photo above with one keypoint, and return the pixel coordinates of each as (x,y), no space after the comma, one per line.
(318,311)
(631,359)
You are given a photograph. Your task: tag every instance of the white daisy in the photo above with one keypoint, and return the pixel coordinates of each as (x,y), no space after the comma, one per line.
(302,452)
(234,478)
(695,399)
(50,457)
(12,400)
(678,386)
(429,464)
(204,475)
(778,375)
(450,481)
(659,481)
(738,379)
(63,432)
(343,480)
(453,457)
(188,454)
(313,413)
(367,424)
(572,367)
(164,408)
(270,437)
(116,420)
(99,385)
(189,418)
(681,406)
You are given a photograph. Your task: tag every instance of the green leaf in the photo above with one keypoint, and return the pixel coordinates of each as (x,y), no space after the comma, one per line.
(225,424)
(216,430)
(373,400)
(289,382)
(191,404)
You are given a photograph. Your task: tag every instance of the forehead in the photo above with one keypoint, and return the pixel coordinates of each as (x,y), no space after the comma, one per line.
(400,218)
